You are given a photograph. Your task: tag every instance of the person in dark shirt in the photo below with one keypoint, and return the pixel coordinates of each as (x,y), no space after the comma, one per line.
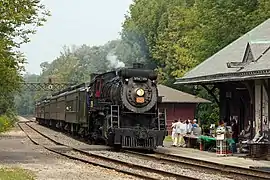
(234,134)
(194,123)
(234,130)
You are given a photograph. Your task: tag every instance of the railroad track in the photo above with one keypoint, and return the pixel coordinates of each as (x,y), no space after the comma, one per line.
(227,170)
(140,171)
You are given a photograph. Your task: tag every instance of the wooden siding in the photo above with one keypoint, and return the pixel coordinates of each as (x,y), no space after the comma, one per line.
(178,110)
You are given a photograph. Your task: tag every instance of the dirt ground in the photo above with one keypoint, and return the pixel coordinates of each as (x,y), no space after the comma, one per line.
(16,150)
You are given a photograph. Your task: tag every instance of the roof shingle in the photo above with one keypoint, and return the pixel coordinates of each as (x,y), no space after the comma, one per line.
(171,95)
(258,38)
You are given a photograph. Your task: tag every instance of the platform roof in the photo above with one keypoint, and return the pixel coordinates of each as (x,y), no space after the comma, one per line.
(171,95)
(249,56)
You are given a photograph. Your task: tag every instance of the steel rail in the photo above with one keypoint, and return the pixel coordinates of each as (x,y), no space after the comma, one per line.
(111,160)
(191,163)
(206,165)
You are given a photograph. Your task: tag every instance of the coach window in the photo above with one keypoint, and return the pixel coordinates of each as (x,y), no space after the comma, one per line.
(69,106)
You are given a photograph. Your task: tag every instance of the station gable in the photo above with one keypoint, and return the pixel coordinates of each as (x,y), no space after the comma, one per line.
(244,58)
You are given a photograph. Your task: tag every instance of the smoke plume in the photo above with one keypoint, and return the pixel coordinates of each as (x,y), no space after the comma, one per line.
(114,62)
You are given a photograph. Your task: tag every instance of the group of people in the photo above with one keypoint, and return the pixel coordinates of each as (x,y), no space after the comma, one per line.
(180,128)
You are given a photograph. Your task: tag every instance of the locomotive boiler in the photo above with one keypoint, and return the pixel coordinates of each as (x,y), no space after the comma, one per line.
(119,108)
(135,88)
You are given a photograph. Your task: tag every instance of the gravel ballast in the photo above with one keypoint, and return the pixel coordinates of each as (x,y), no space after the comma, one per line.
(18,151)
(61,137)
(174,168)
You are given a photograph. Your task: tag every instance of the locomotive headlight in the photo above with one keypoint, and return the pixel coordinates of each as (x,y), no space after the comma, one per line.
(140,92)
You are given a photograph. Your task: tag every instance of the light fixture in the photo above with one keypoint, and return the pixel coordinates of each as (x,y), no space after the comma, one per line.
(140,92)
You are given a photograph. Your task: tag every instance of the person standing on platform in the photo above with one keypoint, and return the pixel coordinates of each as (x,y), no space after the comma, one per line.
(189,126)
(177,133)
(183,133)
(194,124)
(173,130)
(234,134)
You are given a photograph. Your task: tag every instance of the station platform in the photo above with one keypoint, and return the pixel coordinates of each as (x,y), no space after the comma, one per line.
(212,157)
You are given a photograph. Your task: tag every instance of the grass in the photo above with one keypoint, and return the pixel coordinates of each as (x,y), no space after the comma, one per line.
(15,174)
(168,139)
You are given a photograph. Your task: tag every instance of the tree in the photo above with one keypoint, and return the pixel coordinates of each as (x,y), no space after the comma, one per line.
(25,99)
(75,65)
(141,28)
(178,35)
(44,66)
(18,20)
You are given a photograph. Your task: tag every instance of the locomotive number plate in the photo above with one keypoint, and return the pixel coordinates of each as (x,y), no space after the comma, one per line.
(140,99)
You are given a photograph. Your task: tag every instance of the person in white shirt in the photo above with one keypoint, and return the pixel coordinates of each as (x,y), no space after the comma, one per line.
(176,127)
(183,132)
(173,130)
(189,126)
(180,131)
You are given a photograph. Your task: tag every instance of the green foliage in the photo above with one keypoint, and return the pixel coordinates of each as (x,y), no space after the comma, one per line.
(16,15)
(178,35)
(15,173)
(18,20)
(75,64)
(171,36)
(6,122)
(25,99)
(208,113)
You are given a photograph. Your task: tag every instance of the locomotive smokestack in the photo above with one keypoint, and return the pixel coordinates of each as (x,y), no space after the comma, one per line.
(138,65)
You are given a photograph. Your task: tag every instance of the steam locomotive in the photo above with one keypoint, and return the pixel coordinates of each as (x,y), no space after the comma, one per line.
(119,108)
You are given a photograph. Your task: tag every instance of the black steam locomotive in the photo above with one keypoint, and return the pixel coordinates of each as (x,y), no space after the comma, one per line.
(119,108)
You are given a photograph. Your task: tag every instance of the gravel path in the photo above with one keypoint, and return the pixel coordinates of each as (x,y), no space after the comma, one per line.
(18,151)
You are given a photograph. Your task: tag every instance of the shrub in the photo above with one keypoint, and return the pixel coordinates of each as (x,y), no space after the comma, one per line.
(6,122)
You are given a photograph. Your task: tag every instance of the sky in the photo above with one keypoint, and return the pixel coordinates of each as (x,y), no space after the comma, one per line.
(91,22)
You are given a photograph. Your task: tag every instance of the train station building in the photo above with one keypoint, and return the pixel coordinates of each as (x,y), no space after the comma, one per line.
(178,104)
(241,73)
